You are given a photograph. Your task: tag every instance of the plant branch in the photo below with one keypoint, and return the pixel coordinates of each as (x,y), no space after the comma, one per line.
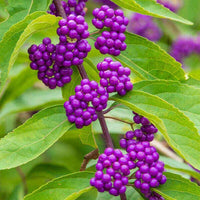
(104,128)
(82,72)
(120,120)
(111,108)
(23,178)
(92,155)
(59,8)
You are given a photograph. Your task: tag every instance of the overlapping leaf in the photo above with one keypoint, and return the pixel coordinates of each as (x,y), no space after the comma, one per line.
(150,7)
(177,129)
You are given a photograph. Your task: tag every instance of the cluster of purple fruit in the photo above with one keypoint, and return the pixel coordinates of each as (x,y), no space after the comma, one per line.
(114,77)
(54,62)
(70,7)
(112,41)
(43,59)
(140,154)
(72,29)
(114,179)
(78,108)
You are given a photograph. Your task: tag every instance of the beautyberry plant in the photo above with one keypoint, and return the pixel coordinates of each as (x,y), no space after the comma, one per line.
(104,90)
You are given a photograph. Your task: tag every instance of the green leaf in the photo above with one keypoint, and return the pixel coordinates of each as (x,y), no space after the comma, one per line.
(177,129)
(39,99)
(177,187)
(18,84)
(195,74)
(42,174)
(18,10)
(17,35)
(183,97)
(150,7)
(91,195)
(148,61)
(180,167)
(34,137)
(68,187)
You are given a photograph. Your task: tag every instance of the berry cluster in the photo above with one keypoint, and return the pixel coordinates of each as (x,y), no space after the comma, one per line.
(72,29)
(42,59)
(110,42)
(70,7)
(117,166)
(71,53)
(114,77)
(150,172)
(144,26)
(146,131)
(78,109)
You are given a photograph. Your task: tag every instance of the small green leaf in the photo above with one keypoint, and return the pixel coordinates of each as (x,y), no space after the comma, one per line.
(178,130)
(68,187)
(150,7)
(177,188)
(34,137)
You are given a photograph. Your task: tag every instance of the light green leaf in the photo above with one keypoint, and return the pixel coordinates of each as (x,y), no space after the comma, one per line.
(34,137)
(68,187)
(177,129)
(91,195)
(177,188)
(18,10)
(180,167)
(183,97)
(148,61)
(150,7)
(17,35)
(195,74)
(32,100)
